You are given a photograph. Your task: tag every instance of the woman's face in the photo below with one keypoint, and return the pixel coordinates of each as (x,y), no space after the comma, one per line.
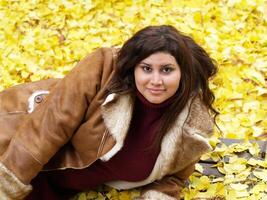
(157,77)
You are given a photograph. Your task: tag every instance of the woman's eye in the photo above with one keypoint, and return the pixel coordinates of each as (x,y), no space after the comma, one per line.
(146,68)
(167,70)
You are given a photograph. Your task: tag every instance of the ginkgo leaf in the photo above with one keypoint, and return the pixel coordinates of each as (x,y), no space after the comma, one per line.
(259,187)
(44,39)
(199,168)
(239,186)
(261,174)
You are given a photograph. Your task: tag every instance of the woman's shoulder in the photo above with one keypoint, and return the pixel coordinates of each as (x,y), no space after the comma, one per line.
(108,51)
(199,117)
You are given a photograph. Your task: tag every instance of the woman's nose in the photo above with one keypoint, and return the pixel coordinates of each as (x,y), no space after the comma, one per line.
(156,79)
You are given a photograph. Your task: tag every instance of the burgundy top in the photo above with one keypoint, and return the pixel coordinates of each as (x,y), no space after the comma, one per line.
(134,162)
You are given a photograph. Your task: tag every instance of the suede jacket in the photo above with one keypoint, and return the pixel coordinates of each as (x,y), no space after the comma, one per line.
(64,123)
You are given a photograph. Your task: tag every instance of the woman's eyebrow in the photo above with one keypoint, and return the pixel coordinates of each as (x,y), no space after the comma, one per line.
(142,62)
(166,64)
(169,64)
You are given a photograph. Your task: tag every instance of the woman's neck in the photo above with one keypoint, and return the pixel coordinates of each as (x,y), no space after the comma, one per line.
(152,106)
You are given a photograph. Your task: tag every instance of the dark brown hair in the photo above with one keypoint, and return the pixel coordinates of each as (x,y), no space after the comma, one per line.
(195,64)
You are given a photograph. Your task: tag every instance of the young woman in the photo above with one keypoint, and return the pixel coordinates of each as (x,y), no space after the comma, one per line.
(138,116)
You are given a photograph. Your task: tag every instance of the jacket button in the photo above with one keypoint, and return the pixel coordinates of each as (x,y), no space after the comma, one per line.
(38,99)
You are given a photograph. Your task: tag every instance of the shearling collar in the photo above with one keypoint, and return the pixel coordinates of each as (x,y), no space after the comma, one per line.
(117,113)
(183,144)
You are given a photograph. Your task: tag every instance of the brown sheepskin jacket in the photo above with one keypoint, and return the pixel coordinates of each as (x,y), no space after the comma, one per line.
(68,123)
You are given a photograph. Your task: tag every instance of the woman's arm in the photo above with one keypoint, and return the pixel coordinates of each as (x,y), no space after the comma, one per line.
(44,131)
(169,187)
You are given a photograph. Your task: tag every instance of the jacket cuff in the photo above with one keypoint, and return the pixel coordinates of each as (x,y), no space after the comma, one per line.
(11,188)
(155,195)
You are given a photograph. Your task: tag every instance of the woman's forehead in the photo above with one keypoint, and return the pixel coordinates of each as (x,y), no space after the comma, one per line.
(159,57)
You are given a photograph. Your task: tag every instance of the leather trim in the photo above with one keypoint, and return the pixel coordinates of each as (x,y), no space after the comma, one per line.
(31,99)
(20,162)
(117,113)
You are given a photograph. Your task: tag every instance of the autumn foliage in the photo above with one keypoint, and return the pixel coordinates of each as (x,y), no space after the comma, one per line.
(40,39)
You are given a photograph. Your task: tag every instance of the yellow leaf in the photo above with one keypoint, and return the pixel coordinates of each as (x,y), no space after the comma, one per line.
(238,186)
(135,193)
(198,17)
(91,195)
(82,196)
(261,174)
(199,168)
(254,149)
(259,187)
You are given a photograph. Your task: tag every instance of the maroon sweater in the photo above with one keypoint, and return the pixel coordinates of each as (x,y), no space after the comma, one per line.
(134,162)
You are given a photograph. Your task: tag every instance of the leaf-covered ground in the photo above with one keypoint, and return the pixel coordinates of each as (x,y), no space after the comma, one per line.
(45,38)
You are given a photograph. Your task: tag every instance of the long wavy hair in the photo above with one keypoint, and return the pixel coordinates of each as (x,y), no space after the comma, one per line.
(195,64)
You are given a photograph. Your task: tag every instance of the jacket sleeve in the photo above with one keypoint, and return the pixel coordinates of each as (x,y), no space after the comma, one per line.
(52,123)
(169,187)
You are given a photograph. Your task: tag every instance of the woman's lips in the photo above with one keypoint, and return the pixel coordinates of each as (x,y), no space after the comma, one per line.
(156,91)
